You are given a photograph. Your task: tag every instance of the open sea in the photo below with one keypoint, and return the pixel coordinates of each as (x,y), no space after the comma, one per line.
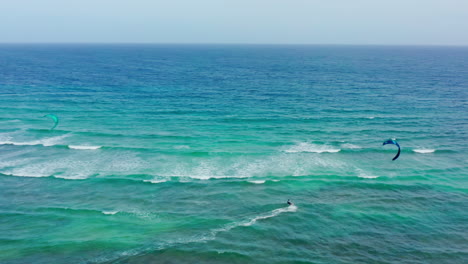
(188,154)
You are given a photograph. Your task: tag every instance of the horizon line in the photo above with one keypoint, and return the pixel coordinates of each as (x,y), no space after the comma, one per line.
(227,43)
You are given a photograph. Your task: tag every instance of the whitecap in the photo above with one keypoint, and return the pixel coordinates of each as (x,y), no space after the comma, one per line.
(84,147)
(72,176)
(30,143)
(31,175)
(350,146)
(46,142)
(25,172)
(155,181)
(424,151)
(109,212)
(258,182)
(309,147)
(367,176)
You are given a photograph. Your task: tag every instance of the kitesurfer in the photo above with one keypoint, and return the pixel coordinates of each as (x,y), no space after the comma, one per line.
(289,203)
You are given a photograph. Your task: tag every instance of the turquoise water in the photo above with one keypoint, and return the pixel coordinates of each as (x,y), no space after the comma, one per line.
(188,154)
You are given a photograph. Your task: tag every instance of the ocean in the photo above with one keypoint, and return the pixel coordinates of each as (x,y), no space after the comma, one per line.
(188,154)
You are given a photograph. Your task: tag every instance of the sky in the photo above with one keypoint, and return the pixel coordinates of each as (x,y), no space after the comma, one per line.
(380,22)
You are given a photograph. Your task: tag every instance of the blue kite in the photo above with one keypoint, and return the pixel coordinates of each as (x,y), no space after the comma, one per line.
(393,141)
(54,118)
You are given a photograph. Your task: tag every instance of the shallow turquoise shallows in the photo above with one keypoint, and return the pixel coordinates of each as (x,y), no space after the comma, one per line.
(188,154)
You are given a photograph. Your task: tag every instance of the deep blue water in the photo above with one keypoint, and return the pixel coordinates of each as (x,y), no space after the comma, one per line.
(188,154)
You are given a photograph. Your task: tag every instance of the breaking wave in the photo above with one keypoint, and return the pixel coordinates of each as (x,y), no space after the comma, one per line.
(309,147)
(46,142)
(257,182)
(84,147)
(424,151)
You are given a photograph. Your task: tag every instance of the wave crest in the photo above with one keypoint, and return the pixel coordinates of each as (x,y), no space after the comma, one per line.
(424,151)
(46,142)
(309,147)
(257,182)
(110,212)
(84,147)
(155,181)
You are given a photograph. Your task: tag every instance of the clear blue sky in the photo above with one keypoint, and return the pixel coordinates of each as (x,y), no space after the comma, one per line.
(413,22)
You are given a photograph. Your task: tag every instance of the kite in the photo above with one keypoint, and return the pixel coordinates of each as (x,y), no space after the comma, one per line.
(393,141)
(55,118)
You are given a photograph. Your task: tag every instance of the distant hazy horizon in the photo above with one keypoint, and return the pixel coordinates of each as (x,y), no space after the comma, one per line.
(311,22)
(232,44)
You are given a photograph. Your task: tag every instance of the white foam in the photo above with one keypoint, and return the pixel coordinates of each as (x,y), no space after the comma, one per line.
(249,222)
(155,181)
(258,182)
(204,237)
(29,173)
(206,170)
(281,164)
(362,174)
(46,142)
(30,143)
(291,208)
(73,176)
(182,147)
(76,165)
(367,176)
(110,212)
(371,117)
(309,147)
(84,147)
(424,151)
(350,146)
(32,175)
